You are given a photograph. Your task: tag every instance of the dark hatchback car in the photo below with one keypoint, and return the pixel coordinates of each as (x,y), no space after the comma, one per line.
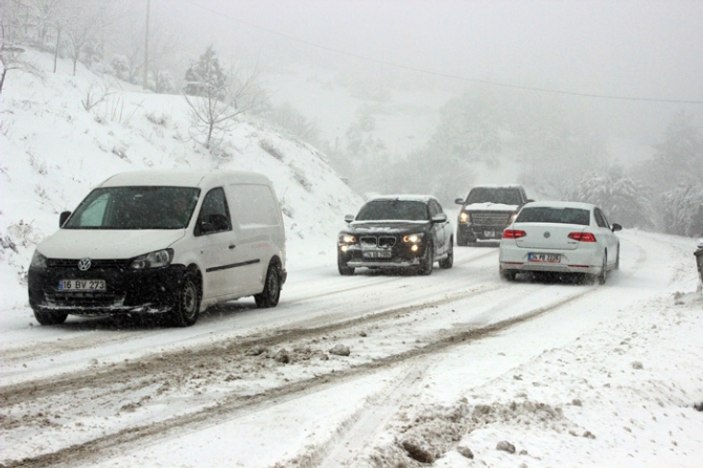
(396,231)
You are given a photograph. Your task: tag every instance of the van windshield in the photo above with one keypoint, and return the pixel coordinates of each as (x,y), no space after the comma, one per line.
(140,207)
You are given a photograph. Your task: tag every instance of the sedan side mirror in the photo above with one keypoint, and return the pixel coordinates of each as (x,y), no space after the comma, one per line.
(348,218)
(459,201)
(616,227)
(63,217)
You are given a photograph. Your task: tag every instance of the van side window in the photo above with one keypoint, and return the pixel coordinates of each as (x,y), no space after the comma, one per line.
(254,205)
(214,214)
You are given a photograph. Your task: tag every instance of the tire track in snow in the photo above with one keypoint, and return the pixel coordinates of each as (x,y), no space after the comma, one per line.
(234,405)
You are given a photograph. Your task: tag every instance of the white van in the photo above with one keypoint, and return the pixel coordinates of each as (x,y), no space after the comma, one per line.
(162,242)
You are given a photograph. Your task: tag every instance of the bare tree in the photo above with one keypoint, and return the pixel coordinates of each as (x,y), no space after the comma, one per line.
(9,56)
(218,103)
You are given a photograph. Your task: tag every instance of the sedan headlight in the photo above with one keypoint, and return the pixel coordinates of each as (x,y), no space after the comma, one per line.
(158,259)
(38,261)
(464,217)
(413,238)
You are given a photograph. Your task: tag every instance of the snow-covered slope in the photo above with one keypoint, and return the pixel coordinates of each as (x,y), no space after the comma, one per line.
(53,150)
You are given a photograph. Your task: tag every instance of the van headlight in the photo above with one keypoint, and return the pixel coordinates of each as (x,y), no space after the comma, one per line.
(158,259)
(38,261)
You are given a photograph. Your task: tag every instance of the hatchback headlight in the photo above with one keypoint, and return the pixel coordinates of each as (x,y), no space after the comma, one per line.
(158,259)
(413,238)
(38,261)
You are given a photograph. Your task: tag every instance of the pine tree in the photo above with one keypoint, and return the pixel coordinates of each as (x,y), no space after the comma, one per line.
(206,77)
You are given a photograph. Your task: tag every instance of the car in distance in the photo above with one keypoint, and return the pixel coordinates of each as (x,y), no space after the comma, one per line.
(561,237)
(396,231)
(170,242)
(486,211)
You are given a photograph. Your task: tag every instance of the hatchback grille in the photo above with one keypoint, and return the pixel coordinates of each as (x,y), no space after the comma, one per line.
(490,218)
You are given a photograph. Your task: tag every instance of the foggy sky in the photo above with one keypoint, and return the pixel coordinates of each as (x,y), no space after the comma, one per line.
(650,49)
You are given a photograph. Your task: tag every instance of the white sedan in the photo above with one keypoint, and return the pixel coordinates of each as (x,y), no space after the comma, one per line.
(561,237)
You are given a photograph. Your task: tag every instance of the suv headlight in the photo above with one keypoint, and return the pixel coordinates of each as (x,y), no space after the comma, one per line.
(38,261)
(158,259)
(464,217)
(413,238)
(512,218)
(345,238)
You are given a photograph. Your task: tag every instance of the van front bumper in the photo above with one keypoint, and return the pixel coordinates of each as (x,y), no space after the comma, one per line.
(127,290)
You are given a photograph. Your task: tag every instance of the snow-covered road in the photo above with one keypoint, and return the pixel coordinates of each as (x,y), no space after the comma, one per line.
(437,366)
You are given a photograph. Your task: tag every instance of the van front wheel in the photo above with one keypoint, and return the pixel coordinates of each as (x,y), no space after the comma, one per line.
(272,288)
(187,307)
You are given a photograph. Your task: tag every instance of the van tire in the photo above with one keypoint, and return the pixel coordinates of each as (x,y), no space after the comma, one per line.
(272,288)
(187,307)
(50,317)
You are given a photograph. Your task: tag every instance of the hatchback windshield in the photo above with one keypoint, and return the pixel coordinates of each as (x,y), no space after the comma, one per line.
(405,210)
(505,196)
(554,215)
(135,208)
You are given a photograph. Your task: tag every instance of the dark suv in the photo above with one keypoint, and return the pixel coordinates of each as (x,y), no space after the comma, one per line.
(396,231)
(487,210)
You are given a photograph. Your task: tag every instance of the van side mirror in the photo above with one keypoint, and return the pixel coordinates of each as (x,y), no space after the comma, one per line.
(63,217)
(348,218)
(616,227)
(459,201)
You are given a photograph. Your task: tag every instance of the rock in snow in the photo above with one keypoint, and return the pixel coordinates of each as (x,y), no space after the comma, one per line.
(418,450)
(340,350)
(505,446)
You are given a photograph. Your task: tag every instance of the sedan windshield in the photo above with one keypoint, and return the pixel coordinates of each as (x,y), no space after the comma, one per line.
(135,208)
(545,214)
(404,210)
(505,196)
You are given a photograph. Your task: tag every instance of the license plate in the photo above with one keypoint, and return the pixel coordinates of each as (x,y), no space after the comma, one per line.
(377,254)
(66,285)
(543,257)
(489,234)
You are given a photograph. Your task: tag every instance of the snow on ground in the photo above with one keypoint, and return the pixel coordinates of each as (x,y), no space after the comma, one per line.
(442,369)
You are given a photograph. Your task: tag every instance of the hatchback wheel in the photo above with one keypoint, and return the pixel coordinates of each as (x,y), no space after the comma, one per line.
(603,276)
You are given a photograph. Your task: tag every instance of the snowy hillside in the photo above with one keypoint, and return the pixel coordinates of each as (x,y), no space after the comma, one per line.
(61,135)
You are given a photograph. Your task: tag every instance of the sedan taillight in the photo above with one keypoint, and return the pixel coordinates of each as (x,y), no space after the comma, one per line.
(582,236)
(513,233)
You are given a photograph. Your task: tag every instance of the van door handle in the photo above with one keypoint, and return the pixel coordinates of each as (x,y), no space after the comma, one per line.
(231,246)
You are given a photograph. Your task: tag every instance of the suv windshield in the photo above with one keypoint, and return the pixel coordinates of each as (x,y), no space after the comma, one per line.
(505,196)
(135,208)
(405,210)
(554,215)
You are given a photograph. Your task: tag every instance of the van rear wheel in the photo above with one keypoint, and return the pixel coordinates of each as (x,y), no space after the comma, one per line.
(272,288)
(187,307)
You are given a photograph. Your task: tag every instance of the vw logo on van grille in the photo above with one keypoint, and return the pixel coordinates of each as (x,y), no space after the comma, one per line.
(84,264)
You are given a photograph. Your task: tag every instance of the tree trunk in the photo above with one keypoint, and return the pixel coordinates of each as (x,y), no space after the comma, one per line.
(56,49)
(2,80)
(75,62)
